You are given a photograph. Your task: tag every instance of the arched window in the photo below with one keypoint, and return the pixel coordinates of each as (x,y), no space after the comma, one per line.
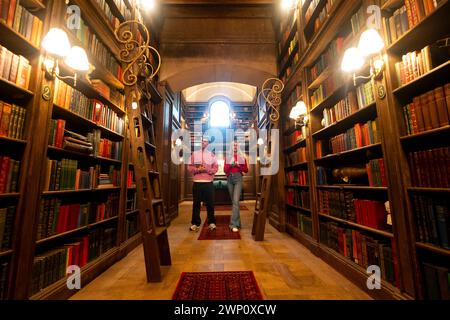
(219,112)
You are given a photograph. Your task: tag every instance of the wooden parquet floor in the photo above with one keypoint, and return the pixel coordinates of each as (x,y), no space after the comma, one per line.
(283,268)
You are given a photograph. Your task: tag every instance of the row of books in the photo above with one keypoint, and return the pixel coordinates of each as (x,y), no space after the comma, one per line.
(133,227)
(324,14)
(292,45)
(376,173)
(297,178)
(334,50)
(286,26)
(432,219)
(6,226)
(430,168)
(406,17)
(341,110)
(300,221)
(365,94)
(15,68)
(360,18)
(337,203)
(437,281)
(297,156)
(357,137)
(428,111)
(9,175)
(113,20)
(91,109)
(12,120)
(51,266)
(92,43)
(298,198)
(65,175)
(57,217)
(413,65)
(362,249)
(342,204)
(3,280)
(325,89)
(21,20)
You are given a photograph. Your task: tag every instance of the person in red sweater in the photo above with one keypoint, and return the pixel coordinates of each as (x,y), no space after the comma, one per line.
(234,171)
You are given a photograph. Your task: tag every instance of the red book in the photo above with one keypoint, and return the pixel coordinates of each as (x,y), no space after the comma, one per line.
(60,125)
(426,112)
(440,155)
(441,106)
(85,251)
(447,97)
(11,11)
(4,170)
(433,109)
(384,182)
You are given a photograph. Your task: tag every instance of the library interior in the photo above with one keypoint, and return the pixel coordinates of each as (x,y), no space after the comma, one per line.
(224,150)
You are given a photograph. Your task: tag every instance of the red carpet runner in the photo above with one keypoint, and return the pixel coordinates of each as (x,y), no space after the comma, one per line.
(225,207)
(240,285)
(222,231)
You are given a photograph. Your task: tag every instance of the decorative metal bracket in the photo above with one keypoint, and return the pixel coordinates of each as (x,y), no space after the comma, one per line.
(269,98)
(136,55)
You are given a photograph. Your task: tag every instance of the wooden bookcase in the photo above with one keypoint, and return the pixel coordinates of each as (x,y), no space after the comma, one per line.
(393,145)
(34,150)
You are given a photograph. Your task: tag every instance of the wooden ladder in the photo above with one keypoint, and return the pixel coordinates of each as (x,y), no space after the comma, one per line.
(263,203)
(148,187)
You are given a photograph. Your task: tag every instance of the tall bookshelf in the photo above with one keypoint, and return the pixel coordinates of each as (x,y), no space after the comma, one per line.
(421,144)
(13,146)
(330,142)
(91,203)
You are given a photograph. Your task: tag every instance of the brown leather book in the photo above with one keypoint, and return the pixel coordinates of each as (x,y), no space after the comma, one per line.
(425,106)
(447,97)
(432,106)
(443,116)
(419,114)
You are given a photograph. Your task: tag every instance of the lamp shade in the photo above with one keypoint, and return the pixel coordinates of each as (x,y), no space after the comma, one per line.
(287,4)
(370,43)
(77,59)
(298,110)
(56,43)
(352,60)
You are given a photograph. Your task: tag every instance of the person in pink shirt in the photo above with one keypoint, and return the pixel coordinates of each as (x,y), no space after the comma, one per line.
(234,171)
(203,166)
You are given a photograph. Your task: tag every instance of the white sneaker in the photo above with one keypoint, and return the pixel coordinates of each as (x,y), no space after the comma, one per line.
(212,226)
(235,229)
(194,228)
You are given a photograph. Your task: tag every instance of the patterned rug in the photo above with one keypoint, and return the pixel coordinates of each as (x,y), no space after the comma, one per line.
(222,231)
(226,207)
(239,285)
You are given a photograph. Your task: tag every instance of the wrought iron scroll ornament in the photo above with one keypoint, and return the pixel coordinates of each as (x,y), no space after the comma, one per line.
(270,98)
(135,54)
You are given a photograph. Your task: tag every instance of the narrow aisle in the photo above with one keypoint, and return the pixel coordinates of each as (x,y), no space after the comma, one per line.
(283,268)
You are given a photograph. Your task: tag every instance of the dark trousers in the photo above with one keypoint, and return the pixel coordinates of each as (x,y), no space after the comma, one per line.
(203,191)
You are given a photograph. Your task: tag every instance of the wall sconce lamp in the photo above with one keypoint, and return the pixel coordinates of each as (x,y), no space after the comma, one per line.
(299,114)
(370,44)
(289,4)
(57,46)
